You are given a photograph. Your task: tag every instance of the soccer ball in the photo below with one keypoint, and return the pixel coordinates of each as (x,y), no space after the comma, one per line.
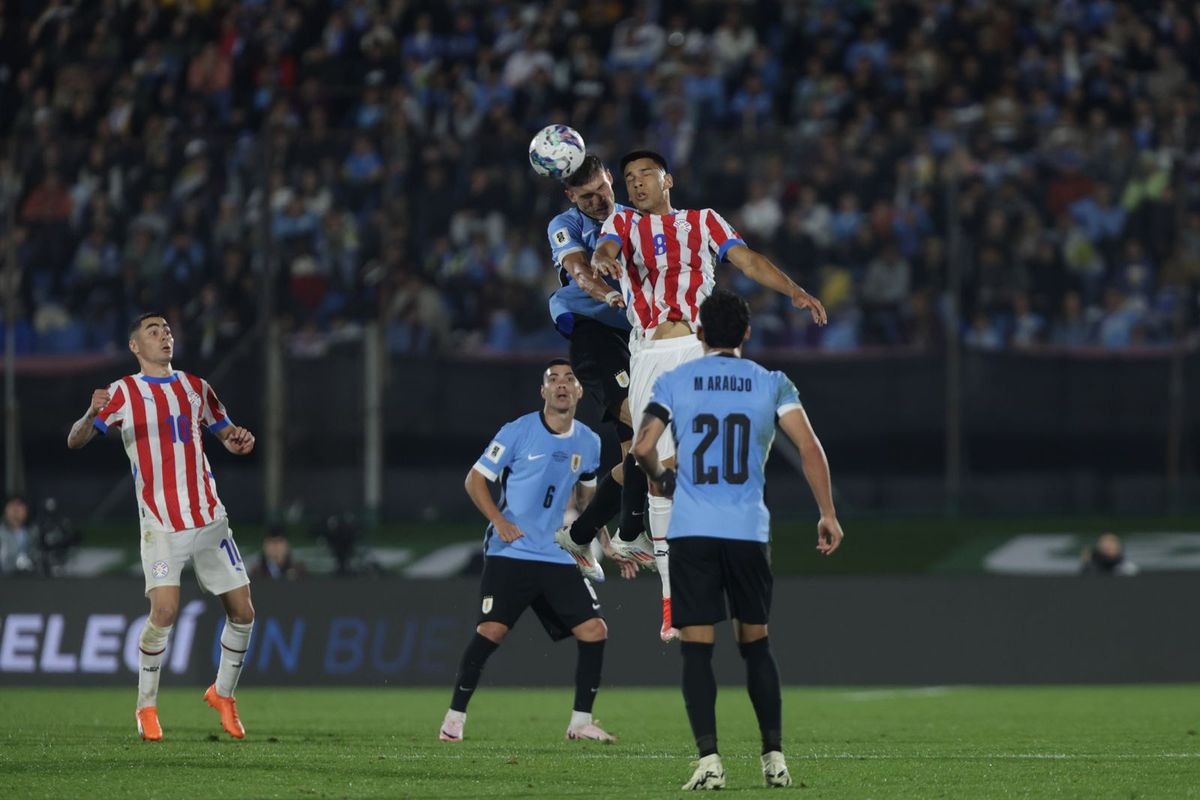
(556,151)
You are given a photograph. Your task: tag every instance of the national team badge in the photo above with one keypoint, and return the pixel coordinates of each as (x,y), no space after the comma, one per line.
(161,569)
(576,461)
(487,604)
(193,398)
(494,451)
(623,379)
(561,237)
(683,225)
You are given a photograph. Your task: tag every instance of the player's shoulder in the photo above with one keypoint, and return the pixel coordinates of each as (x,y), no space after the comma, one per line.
(584,431)
(571,218)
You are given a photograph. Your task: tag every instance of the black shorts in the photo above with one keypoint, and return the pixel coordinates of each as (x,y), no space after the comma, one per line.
(705,570)
(558,593)
(600,358)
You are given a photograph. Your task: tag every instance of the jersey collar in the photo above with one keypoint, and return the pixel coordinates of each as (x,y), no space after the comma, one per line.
(551,431)
(174,376)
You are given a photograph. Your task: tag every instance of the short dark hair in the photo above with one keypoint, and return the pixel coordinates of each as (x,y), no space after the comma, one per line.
(724,316)
(591,168)
(634,155)
(136,325)
(557,362)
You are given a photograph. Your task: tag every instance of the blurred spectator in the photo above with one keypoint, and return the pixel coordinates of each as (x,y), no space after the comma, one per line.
(1107,557)
(56,536)
(276,562)
(17,541)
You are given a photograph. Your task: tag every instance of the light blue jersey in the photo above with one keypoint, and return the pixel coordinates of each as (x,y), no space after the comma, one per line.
(722,412)
(537,469)
(575,232)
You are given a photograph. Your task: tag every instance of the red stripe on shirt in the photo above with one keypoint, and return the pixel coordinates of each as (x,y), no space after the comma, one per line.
(674,268)
(114,404)
(191,486)
(145,460)
(166,449)
(646,247)
(210,490)
(696,279)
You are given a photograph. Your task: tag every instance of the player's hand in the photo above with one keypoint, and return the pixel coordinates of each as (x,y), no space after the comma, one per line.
(607,266)
(802,299)
(829,535)
(614,299)
(507,531)
(665,483)
(240,441)
(100,399)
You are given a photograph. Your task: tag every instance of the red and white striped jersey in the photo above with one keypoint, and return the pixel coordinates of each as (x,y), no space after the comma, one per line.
(160,421)
(669,260)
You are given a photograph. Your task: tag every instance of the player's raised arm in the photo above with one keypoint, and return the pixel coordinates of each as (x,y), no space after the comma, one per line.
(585,278)
(85,429)
(759,268)
(796,425)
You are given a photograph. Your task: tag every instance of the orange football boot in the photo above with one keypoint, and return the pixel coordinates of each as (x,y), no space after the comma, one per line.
(227,708)
(147,722)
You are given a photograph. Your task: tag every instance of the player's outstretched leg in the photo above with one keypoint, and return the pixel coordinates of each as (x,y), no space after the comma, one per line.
(151,646)
(470,668)
(660,522)
(763,686)
(585,559)
(604,506)
(591,636)
(633,500)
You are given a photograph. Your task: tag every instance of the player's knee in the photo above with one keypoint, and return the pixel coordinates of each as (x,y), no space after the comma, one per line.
(164,615)
(594,630)
(749,633)
(243,615)
(494,631)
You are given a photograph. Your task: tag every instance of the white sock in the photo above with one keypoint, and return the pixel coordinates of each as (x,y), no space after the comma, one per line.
(235,641)
(151,646)
(579,719)
(660,521)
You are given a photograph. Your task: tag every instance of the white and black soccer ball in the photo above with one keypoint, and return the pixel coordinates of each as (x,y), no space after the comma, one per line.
(556,151)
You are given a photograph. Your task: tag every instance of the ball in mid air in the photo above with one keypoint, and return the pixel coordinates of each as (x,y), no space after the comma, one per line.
(556,151)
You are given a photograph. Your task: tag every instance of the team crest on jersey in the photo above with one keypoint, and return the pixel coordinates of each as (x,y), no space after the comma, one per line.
(494,451)
(623,379)
(576,462)
(487,604)
(560,237)
(161,569)
(193,398)
(683,225)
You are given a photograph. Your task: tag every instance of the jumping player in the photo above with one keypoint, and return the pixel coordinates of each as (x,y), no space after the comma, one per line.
(665,260)
(161,414)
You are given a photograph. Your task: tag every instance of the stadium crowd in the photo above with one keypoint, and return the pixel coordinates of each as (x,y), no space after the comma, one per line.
(375,150)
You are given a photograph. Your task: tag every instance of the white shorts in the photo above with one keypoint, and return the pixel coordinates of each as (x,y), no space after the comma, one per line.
(649,358)
(216,560)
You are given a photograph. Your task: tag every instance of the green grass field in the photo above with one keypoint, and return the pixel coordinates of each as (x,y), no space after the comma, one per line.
(1080,742)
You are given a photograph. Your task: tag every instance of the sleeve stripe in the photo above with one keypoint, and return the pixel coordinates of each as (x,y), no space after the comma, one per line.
(659,411)
(100,425)
(787,407)
(610,237)
(729,243)
(561,254)
(588,484)
(485,472)
(219,425)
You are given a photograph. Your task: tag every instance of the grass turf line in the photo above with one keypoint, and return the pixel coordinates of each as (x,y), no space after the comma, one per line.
(1060,742)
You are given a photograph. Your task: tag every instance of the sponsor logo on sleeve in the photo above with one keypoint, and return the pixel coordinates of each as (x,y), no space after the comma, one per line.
(494,451)
(487,604)
(161,569)
(560,237)
(623,379)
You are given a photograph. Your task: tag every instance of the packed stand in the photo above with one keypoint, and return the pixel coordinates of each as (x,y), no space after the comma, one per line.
(1050,149)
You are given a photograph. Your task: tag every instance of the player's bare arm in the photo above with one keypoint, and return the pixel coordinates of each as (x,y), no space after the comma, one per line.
(481,496)
(585,278)
(604,259)
(796,425)
(237,440)
(759,269)
(83,431)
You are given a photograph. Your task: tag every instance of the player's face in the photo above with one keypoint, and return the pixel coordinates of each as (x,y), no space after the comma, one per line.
(647,185)
(596,199)
(560,389)
(153,342)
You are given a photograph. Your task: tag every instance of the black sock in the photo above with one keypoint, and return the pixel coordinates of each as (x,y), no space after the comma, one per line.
(587,674)
(604,506)
(762,684)
(700,694)
(469,670)
(633,501)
